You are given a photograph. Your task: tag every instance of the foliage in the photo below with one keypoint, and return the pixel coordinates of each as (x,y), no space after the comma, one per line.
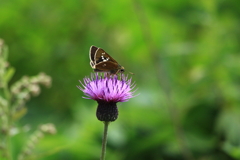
(12,108)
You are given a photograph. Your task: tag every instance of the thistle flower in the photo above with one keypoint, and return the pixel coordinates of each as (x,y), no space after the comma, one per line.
(107,90)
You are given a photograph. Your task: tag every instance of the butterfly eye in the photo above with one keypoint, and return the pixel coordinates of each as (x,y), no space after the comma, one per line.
(122,70)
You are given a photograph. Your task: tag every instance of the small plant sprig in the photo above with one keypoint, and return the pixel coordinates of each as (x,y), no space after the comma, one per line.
(27,152)
(13,107)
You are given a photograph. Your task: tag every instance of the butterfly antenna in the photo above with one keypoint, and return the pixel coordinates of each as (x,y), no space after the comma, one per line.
(131,73)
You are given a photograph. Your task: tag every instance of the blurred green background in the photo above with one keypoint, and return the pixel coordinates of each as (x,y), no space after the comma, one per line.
(185,57)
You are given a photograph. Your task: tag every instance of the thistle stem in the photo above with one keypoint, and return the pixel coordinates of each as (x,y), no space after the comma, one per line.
(104,140)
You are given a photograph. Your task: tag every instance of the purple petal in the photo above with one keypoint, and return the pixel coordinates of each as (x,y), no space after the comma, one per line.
(107,88)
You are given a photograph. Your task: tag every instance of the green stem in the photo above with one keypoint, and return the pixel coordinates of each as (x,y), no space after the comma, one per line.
(104,140)
(8,123)
(6,120)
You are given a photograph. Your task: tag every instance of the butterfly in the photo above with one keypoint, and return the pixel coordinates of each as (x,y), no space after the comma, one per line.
(100,61)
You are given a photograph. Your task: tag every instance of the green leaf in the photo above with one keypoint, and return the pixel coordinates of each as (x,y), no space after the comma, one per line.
(9,74)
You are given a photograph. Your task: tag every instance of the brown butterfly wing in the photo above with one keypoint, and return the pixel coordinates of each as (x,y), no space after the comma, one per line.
(107,67)
(92,52)
(100,61)
(102,56)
